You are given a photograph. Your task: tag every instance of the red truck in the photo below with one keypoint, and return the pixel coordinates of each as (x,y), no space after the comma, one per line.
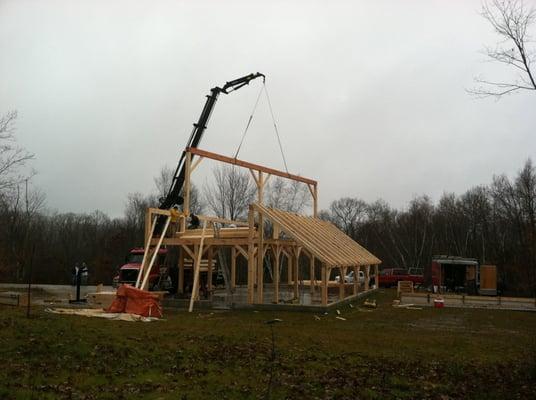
(391,276)
(128,273)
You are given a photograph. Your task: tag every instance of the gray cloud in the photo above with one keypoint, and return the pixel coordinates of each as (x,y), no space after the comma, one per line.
(369,96)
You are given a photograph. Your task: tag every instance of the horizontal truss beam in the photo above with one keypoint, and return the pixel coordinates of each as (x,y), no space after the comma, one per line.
(246,164)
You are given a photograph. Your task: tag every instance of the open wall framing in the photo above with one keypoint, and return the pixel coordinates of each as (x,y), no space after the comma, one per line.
(289,257)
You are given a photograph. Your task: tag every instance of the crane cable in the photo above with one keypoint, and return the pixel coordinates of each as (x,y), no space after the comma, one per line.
(273,121)
(249,123)
(275,127)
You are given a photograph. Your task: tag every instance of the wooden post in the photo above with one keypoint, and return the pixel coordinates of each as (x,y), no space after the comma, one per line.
(277,230)
(277,256)
(325,276)
(296,265)
(186,204)
(181,271)
(209,272)
(356,279)
(260,258)
(251,255)
(148,227)
(312,274)
(233,268)
(342,275)
(377,276)
(289,269)
(315,201)
(260,188)
(367,277)
(197,267)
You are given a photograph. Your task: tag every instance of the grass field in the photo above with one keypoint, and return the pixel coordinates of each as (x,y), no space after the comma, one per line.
(386,353)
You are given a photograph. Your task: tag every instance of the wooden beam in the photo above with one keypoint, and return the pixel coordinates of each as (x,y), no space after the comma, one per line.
(209,271)
(241,251)
(260,189)
(245,164)
(356,279)
(312,274)
(296,265)
(260,259)
(251,256)
(254,177)
(159,211)
(315,201)
(195,164)
(190,252)
(342,283)
(186,189)
(222,220)
(277,257)
(181,271)
(197,267)
(233,267)
(148,268)
(367,277)
(148,226)
(148,237)
(325,277)
(376,276)
(289,267)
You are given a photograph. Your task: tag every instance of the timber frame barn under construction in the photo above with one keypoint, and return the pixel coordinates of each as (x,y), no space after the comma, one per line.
(307,247)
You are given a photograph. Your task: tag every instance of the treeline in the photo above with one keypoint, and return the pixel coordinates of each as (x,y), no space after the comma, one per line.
(495,224)
(51,244)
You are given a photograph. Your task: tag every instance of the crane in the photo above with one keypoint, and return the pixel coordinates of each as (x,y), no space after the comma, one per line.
(173,197)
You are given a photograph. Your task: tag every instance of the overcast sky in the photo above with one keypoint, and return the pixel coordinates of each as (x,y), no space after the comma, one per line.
(369,96)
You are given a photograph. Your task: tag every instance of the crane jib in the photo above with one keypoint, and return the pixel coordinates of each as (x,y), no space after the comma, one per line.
(173,197)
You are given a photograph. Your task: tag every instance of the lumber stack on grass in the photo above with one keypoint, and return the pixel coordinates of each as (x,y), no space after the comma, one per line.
(404,287)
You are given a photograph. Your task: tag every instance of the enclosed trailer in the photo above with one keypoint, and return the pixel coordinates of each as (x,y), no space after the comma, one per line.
(488,280)
(451,274)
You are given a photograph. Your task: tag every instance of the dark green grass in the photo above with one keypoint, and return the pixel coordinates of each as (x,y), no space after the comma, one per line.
(386,353)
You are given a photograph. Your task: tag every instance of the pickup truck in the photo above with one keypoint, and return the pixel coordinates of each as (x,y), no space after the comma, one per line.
(349,278)
(391,276)
(128,273)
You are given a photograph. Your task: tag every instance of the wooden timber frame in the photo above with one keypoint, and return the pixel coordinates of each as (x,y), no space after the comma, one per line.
(270,241)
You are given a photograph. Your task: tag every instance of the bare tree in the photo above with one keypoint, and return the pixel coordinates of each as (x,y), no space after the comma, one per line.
(163,180)
(511,20)
(163,183)
(347,213)
(287,195)
(231,193)
(12,157)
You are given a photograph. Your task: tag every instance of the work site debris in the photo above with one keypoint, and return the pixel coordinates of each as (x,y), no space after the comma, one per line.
(370,304)
(338,312)
(341,318)
(317,318)
(403,305)
(94,312)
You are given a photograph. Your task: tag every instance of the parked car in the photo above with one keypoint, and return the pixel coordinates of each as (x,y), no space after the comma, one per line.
(349,278)
(391,276)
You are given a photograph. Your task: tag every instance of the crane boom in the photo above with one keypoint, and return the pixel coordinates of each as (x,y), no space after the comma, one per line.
(173,196)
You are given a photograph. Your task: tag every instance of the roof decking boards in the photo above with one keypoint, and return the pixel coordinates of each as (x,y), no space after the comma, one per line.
(321,238)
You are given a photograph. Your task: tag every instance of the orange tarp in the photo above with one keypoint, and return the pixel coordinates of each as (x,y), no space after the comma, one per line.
(136,301)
